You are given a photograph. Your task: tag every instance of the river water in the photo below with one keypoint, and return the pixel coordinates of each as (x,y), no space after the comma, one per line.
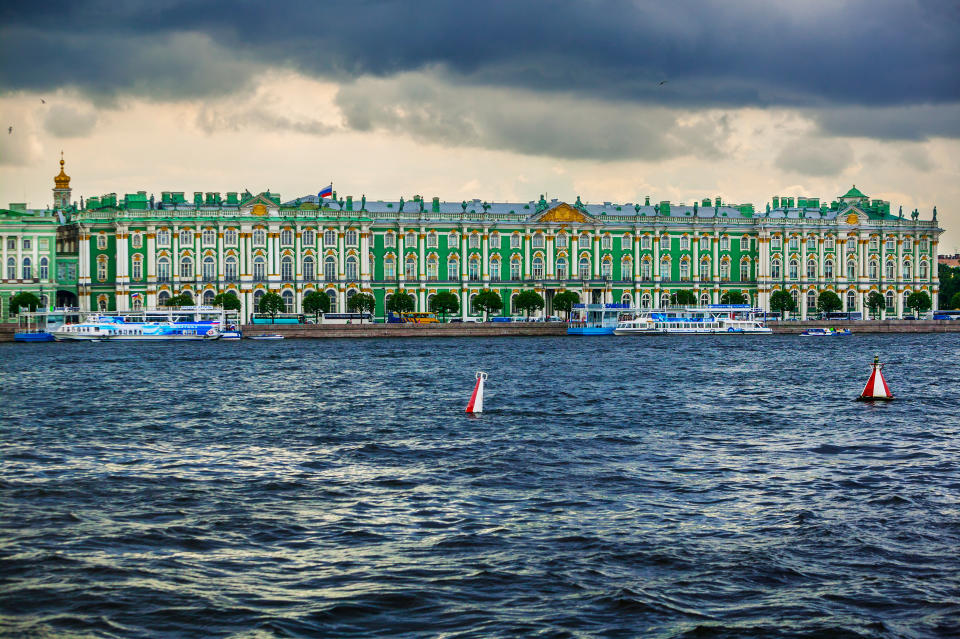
(616,487)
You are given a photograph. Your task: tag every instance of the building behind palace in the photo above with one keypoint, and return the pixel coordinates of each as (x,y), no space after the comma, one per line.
(136,251)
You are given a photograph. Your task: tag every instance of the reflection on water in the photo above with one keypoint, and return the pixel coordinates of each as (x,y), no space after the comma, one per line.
(711,486)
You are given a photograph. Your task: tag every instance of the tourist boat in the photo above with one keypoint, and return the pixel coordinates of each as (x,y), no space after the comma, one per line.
(185,323)
(715,319)
(825,332)
(594,319)
(38,326)
(267,336)
(231,334)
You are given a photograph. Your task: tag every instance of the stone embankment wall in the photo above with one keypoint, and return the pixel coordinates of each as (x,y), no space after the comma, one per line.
(871,326)
(467,329)
(7,331)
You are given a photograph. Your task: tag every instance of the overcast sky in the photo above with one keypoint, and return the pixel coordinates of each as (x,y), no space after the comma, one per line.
(612,101)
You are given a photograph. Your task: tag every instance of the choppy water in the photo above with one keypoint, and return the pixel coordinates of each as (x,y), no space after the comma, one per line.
(616,487)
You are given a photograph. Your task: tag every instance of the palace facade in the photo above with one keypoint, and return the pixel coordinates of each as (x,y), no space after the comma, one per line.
(136,251)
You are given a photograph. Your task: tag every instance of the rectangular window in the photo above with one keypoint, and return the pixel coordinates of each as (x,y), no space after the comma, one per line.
(390,240)
(606,243)
(724,243)
(515,270)
(515,241)
(776,244)
(209,237)
(27,244)
(828,244)
(562,240)
(474,240)
(101,242)
(163,238)
(44,244)
(136,272)
(432,240)
(891,244)
(645,243)
(12,243)
(684,243)
(874,244)
(794,243)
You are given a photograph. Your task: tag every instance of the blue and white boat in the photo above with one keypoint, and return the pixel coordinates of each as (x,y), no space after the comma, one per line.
(825,332)
(177,324)
(714,319)
(594,319)
(38,326)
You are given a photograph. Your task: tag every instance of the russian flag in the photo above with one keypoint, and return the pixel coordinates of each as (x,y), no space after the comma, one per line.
(325,191)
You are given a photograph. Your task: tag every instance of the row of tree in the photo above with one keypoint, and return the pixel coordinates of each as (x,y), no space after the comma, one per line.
(830,302)
(949,286)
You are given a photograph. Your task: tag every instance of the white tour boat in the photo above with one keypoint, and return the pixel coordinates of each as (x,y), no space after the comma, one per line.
(715,319)
(185,323)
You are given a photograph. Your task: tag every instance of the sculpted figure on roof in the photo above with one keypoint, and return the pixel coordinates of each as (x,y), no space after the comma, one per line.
(400,208)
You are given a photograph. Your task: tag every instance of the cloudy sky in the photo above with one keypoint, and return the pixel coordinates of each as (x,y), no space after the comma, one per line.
(611,101)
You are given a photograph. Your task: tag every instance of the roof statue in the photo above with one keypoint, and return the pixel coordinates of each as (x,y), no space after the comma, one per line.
(901,211)
(463,205)
(341,202)
(934,213)
(363,202)
(696,210)
(401,204)
(656,209)
(486,206)
(542,204)
(636,207)
(916,214)
(420,201)
(768,207)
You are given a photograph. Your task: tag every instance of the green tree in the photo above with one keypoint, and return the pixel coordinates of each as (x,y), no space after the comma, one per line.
(564,301)
(529,301)
(227,301)
(271,304)
(955,300)
(487,302)
(919,302)
(829,302)
(733,297)
(445,302)
(875,302)
(362,303)
(316,302)
(181,299)
(23,300)
(683,298)
(949,277)
(782,302)
(400,302)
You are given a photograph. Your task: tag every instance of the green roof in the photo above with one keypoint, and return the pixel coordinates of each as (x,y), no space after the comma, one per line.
(853,192)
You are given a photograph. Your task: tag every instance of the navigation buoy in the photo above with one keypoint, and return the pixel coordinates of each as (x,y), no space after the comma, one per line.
(876,388)
(476,400)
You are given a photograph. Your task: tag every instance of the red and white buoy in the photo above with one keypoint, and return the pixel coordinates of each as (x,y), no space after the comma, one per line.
(476,400)
(876,388)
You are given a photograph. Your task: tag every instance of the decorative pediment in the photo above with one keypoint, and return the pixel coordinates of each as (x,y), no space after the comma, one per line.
(259,204)
(563,212)
(852,216)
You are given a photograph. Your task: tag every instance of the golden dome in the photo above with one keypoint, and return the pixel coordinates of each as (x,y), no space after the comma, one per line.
(62,181)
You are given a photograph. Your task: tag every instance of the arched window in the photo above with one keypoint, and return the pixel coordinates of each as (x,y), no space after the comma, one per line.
(287,296)
(645,270)
(351,268)
(259,268)
(230,268)
(795,294)
(308,268)
(286,268)
(259,237)
(350,237)
(209,237)
(811,299)
(684,270)
(432,268)
(208,297)
(890,300)
(705,270)
(162,298)
(851,270)
(907,270)
(410,268)
(163,270)
(906,296)
(874,270)
(390,267)
(257,295)
(494,269)
(627,299)
(626,269)
(28,269)
(775,269)
(811,269)
(665,268)
(704,299)
(684,242)
(330,238)
(432,241)
(137,303)
(515,268)
(186,268)
(102,268)
(851,301)
(453,268)
(645,300)
(136,240)
(725,270)
(924,270)
(794,267)
(890,270)
(828,269)
(473,267)
(744,270)
(330,268)
(45,268)
(665,300)
(513,304)
(332,294)
(536,268)
(209,269)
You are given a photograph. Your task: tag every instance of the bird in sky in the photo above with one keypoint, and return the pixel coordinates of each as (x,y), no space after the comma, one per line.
(43,101)
(662,82)
(9,130)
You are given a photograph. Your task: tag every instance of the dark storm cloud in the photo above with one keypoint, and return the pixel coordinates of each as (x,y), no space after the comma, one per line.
(864,52)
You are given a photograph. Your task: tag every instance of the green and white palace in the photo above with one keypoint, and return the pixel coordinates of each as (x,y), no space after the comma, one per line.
(136,251)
